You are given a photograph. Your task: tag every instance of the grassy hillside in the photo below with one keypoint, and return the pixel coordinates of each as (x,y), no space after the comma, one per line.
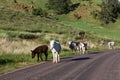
(17,25)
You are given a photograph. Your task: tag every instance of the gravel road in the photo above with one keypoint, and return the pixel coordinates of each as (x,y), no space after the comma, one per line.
(104,65)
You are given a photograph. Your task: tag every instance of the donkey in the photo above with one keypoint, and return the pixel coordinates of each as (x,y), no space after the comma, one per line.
(81,47)
(72,45)
(39,51)
(111,45)
(55,48)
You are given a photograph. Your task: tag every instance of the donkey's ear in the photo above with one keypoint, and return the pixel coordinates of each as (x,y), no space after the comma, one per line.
(31,50)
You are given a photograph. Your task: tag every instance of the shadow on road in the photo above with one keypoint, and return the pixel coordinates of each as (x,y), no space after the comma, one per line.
(94,52)
(84,58)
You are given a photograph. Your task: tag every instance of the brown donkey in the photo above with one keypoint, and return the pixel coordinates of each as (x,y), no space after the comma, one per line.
(39,51)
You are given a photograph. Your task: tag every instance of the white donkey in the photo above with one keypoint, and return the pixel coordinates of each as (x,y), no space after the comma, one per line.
(55,48)
(111,44)
(81,47)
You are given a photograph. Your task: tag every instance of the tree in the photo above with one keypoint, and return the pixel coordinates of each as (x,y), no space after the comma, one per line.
(59,6)
(109,11)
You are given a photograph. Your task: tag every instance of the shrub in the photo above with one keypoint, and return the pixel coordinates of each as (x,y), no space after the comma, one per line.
(39,12)
(28,36)
(59,6)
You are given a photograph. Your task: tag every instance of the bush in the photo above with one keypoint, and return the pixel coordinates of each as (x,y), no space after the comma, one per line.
(28,36)
(109,11)
(59,6)
(39,12)
(22,35)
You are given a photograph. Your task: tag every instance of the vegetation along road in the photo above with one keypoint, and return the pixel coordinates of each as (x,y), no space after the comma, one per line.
(104,65)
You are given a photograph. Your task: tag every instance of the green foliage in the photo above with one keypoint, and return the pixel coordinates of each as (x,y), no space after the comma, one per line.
(109,11)
(28,36)
(39,12)
(59,6)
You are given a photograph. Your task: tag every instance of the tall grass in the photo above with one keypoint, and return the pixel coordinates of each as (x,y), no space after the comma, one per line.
(16,46)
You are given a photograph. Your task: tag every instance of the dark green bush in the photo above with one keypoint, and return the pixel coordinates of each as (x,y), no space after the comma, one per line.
(28,36)
(39,12)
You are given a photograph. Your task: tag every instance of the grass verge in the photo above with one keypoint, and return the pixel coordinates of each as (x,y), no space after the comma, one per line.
(10,62)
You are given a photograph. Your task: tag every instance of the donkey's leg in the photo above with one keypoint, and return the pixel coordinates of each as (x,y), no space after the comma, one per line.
(83,50)
(46,56)
(54,59)
(58,58)
(38,56)
(54,55)
(41,56)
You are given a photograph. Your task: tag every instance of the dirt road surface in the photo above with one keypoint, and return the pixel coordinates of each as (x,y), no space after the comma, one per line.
(103,65)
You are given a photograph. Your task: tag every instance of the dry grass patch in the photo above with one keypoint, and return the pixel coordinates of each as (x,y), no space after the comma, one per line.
(17,47)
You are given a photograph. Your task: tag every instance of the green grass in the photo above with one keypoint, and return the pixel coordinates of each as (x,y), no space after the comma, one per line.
(9,62)
(109,32)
